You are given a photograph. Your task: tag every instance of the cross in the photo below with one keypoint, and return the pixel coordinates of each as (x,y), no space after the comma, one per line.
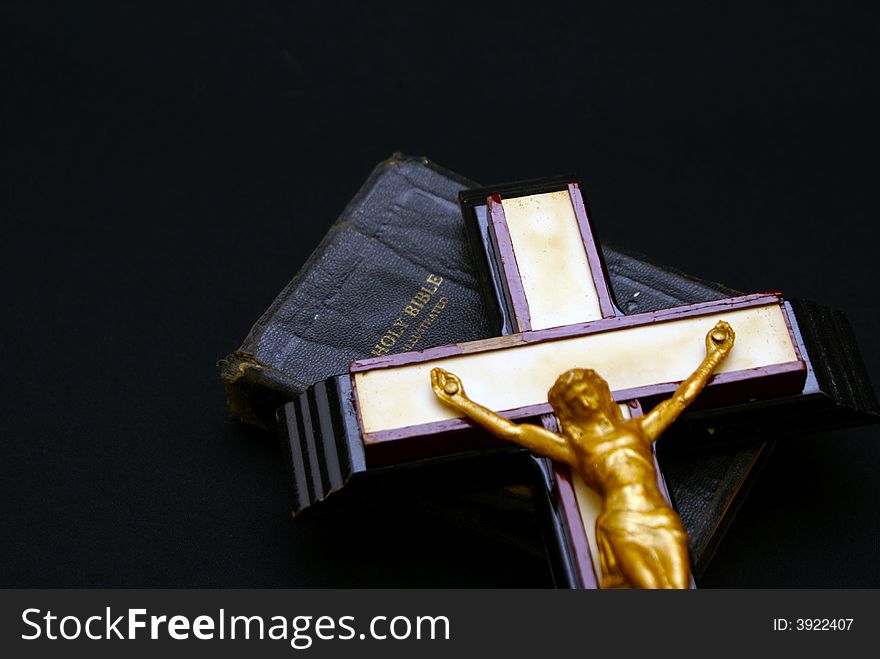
(554,285)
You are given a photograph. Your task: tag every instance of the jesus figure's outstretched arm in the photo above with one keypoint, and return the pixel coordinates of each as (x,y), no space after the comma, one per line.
(719,342)
(448,388)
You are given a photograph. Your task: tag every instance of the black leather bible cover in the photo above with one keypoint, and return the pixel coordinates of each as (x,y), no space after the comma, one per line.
(350,297)
(402,231)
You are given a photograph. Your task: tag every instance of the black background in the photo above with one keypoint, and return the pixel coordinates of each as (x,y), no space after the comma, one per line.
(166,171)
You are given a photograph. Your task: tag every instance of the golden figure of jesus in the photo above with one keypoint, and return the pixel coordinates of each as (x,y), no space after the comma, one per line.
(641,540)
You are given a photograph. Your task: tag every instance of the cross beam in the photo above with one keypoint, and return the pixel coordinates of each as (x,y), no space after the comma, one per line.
(642,357)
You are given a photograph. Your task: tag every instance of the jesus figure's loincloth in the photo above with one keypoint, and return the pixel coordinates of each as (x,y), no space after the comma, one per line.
(645,549)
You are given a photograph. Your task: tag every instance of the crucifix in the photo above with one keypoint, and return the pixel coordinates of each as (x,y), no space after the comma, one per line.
(559,307)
